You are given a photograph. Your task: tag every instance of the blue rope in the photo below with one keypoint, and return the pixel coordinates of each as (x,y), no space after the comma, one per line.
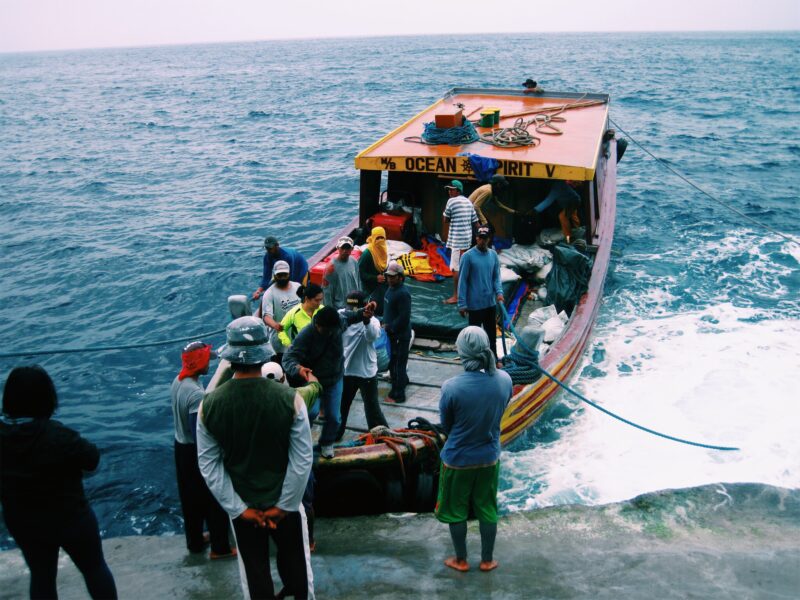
(454,136)
(606,411)
(107,348)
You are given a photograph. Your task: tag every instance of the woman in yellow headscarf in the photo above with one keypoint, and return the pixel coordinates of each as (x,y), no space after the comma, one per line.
(371,266)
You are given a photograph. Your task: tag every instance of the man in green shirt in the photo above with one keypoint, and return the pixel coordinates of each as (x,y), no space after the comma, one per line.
(254,450)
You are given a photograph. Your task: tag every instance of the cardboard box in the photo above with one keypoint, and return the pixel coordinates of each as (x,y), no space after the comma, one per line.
(449,118)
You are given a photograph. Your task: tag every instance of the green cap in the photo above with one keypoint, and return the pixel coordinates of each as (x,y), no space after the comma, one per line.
(455,185)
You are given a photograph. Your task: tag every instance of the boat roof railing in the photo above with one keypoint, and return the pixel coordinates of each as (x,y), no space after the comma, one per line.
(566,147)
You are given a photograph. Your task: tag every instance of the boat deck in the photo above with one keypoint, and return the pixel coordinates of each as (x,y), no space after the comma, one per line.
(426,373)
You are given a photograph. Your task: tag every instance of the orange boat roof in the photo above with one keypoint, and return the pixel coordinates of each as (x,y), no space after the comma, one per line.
(571,155)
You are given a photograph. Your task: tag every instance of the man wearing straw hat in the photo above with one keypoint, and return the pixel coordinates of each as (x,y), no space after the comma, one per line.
(470,409)
(255,453)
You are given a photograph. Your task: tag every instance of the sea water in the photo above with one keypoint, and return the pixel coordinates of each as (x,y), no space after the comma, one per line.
(137,185)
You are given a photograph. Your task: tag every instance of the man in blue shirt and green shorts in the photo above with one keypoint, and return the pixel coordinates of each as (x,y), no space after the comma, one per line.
(470,408)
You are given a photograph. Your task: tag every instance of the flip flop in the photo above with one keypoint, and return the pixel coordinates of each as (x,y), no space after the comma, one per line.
(232,554)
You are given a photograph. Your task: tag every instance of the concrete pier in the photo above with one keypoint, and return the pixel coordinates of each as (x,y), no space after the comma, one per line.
(720,541)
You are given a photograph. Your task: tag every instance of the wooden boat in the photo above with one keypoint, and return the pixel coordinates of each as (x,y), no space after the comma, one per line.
(575,144)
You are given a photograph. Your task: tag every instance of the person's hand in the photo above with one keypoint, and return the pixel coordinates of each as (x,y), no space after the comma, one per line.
(257,293)
(255,517)
(278,327)
(381,278)
(462,312)
(305,373)
(312,378)
(369,309)
(500,299)
(273,516)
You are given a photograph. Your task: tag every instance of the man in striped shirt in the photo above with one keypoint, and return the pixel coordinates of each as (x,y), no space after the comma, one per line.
(460,215)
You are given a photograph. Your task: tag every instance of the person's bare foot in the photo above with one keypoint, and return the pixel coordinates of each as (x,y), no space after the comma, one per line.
(214,556)
(451,300)
(457,564)
(488,565)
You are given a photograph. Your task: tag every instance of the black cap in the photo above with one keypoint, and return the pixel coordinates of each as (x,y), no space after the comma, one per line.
(270,242)
(356,299)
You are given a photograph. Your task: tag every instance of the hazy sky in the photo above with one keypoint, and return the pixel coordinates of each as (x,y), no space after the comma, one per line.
(60,24)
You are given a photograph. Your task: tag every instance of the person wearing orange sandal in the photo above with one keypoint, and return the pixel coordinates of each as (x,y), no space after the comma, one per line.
(470,408)
(198,505)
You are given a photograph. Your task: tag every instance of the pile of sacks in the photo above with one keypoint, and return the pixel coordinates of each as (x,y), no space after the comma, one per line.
(519,261)
(544,326)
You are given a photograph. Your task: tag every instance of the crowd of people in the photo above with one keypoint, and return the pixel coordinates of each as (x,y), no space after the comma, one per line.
(243,452)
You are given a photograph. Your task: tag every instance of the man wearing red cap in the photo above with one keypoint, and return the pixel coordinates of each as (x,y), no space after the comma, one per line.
(197,503)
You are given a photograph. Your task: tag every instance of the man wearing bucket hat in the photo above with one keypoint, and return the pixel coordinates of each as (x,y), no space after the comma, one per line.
(397,323)
(298,267)
(471,407)
(341,275)
(255,453)
(457,218)
(197,503)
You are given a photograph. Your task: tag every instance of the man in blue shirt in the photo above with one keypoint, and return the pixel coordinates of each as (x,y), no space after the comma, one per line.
(470,409)
(298,267)
(479,288)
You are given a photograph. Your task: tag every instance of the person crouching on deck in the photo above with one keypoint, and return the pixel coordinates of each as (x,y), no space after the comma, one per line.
(255,453)
(197,503)
(397,323)
(470,408)
(361,363)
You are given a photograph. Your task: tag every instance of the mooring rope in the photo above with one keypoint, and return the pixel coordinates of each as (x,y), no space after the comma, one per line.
(664,164)
(597,406)
(198,336)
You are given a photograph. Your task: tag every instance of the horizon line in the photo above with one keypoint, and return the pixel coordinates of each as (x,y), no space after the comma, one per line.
(379,36)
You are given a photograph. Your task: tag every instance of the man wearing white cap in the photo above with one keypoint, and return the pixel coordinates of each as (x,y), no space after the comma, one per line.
(276,302)
(341,276)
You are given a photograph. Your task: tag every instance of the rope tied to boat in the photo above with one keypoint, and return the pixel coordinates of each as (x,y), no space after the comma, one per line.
(561,384)
(198,336)
(397,439)
(665,165)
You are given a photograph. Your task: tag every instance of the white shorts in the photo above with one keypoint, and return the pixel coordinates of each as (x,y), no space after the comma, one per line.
(455,258)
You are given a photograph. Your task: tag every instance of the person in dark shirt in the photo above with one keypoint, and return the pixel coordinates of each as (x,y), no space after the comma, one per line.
(41,489)
(397,323)
(298,266)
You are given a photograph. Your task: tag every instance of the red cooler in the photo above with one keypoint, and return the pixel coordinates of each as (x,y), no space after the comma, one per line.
(397,224)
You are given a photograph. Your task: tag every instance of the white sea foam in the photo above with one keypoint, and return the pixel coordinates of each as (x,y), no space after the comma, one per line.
(718,376)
